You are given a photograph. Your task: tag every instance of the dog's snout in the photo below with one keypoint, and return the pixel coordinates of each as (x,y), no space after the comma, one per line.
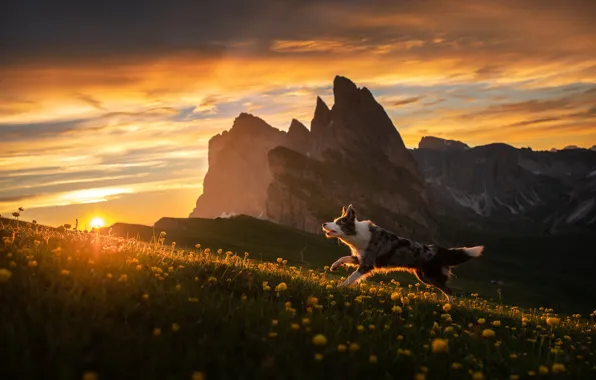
(323,225)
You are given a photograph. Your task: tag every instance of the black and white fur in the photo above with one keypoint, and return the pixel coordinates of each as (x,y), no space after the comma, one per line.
(375,249)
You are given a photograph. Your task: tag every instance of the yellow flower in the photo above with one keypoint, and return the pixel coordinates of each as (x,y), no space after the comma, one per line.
(394,296)
(341,348)
(32,264)
(281,287)
(319,340)
(558,368)
(396,309)
(295,326)
(156,331)
(552,321)
(531,373)
(478,375)
(513,377)
(371,327)
(496,323)
(64,272)
(279,259)
(175,327)
(360,328)
(145,297)
(440,345)
(488,333)
(420,376)
(272,334)
(318,357)
(481,321)
(139,267)
(89,375)
(456,365)
(305,321)
(543,370)
(447,307)
(5,275)
(372,359)
(354,347)
(198,375)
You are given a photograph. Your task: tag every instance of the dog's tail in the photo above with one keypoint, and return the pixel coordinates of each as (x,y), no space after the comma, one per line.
(456,256)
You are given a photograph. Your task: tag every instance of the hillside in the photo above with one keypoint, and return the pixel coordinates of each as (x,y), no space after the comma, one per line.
(529,271)
(94,306)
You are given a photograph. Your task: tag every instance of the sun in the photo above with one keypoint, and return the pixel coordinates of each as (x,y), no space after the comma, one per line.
(97,222)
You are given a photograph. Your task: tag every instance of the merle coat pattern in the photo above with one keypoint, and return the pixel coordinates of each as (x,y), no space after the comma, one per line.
(376,249)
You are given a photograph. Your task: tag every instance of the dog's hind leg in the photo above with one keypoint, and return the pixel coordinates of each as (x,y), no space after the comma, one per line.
(439,281)
(356,275)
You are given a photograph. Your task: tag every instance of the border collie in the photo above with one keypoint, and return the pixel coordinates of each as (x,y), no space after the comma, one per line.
(375,249)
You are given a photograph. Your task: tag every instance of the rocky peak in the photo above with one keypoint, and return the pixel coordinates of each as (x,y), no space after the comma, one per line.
(298,137)
(436,143)
(321,118)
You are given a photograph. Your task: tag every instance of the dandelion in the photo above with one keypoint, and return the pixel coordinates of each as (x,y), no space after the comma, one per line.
(5,275)
(156,331)
(543,370)
(32,264)
(456,365)
(395,296)
(372,359)
(175,327)
(440,346)
(318,357)
(319,340)
(354,347)
(279,260)
(488,333)
(396,309)
(478,375)
(178,287)
(272,334)
(558,368)
(64,272)
(341,348)
(552,321)
(281,287)
(295,326)
(496,323)
(447,307)
(481,321)
(90,375)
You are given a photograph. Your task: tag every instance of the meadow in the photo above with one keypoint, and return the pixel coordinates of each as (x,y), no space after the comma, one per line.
(97,306)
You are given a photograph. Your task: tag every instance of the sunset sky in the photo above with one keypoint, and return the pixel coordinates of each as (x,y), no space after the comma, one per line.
(107,109)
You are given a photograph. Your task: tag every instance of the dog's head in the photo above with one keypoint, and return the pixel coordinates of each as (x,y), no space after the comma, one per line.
(343,226)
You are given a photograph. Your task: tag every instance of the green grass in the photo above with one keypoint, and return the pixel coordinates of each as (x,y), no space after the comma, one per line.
(120,308)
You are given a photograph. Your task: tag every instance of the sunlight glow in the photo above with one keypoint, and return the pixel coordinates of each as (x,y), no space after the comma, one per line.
(97,222)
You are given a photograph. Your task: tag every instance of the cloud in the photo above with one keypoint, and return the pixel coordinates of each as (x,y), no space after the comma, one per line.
(406,101)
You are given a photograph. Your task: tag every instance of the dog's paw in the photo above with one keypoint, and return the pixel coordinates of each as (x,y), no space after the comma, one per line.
(333,268)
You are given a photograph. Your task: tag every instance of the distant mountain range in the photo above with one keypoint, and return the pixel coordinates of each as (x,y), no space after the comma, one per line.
(354,154)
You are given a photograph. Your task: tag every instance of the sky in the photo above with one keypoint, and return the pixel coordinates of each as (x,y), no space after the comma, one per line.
(106,108)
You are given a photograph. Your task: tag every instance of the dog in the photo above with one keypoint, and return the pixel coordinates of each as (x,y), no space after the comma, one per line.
(375,249)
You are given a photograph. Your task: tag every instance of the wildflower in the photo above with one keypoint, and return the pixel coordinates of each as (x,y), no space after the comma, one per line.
(318,357)
(496,323)
(360,328)
(279,259)
(64,272)
(488,333)
(212,279)
(341,348)
(281,287)
(396,309)
(513,377)
(305,321)
(90,375)
(5,275)
(558,368)
(478,375)
(139,267)
(456,365)
(295,326)
(394,296)
(481,321)
(329,287)
(372,359)
(319,340)
(219,251)
(543,370)
(32,264)
(272,334)
(175,327)
(552,321)
(193,299)
(178,287)
(354,347)
(156,331)
(448,330)
(145,297)
(197,246)
(420,376)
(440,345)
(446,307)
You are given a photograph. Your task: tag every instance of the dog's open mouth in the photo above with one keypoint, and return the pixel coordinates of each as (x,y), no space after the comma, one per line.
(329,233)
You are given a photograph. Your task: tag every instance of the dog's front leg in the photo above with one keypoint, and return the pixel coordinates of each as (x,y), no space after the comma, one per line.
(343,260)
(356,275)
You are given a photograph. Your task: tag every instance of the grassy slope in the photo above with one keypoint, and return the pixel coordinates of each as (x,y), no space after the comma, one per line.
(547,271)
(78,302)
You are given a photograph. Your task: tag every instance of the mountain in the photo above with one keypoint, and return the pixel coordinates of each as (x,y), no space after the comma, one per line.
(500,187)
(352,154)
(436,143)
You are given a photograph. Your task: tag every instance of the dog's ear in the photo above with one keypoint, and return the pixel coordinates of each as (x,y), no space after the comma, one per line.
(350,212)
(343,210)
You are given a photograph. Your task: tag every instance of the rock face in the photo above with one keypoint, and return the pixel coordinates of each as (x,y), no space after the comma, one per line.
(436,143)
(499,187)
(352,154)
